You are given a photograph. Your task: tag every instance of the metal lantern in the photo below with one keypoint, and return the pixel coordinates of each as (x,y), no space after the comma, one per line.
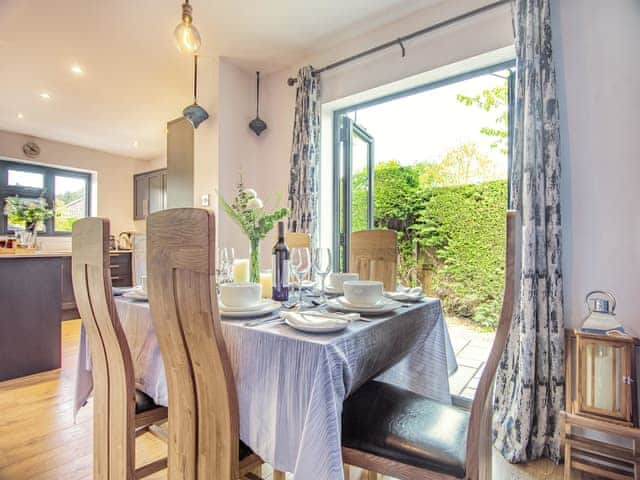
(601,318)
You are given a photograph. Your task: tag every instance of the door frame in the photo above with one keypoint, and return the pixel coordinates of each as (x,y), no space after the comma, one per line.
(339,148)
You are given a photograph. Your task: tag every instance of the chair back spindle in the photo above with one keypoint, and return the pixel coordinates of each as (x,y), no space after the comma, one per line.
(203,407)
(112,368)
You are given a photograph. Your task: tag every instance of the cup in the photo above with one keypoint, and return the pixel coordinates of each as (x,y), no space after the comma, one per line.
(337,279)
(240,295)
(363,292)
(143,283)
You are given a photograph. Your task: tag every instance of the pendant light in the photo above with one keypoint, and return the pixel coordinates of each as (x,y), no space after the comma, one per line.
(257,124)
(195,113)
(186,33)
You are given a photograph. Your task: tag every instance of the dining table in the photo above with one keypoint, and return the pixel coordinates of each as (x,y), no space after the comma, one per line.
(291,385)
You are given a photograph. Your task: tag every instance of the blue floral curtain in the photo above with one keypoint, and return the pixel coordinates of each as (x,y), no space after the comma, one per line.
(530,382)
(305,154)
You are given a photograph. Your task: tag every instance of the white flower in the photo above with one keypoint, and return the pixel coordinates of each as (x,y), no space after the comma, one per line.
(255,204)
(250,192)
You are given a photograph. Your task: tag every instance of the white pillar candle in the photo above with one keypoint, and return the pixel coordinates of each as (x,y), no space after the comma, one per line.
(241,270)
(267,284)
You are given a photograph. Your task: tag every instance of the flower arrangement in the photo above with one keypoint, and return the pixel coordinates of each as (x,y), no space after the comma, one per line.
(30,212)
(248,211)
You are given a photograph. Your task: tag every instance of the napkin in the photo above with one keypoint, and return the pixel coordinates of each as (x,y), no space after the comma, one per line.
(405,293)
(318,319)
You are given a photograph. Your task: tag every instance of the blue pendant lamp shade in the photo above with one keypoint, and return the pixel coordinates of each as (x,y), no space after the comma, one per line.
(195,113)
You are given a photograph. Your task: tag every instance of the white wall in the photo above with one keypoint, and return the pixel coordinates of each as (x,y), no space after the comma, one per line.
(114,174)
(597,52)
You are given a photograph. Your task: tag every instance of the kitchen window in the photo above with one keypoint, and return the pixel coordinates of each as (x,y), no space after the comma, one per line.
(66,191)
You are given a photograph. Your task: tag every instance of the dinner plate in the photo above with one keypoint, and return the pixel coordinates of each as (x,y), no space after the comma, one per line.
(403,297)
(136,294)
(250,308)
(332,290)
(269,306)
(384,307)
(316,328)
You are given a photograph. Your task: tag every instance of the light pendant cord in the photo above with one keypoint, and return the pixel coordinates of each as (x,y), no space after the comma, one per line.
(195,79)
(257,94)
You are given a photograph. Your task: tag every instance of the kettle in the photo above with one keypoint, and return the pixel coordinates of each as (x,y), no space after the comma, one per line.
(601,318)
(125,241)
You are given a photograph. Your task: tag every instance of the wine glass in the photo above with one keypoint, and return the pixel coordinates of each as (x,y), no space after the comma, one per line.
(300,261)
(224,264)
(322,265)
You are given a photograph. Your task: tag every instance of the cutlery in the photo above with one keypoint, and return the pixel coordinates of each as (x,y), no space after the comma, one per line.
(338,315)
(261,321)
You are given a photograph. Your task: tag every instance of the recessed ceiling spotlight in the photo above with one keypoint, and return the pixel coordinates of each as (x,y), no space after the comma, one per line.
(20,116)
(135,144)
(77,69)
(45,96)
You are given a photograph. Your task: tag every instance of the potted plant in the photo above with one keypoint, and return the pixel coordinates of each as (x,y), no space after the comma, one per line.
(30,212)
(248,211)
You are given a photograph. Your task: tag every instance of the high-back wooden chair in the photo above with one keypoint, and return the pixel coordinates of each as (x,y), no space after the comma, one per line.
(374,256)
(391,431)
(297,240)
(203,406)
(120,412)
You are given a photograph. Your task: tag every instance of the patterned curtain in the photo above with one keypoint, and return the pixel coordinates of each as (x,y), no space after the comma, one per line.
(530,382)
(305,155)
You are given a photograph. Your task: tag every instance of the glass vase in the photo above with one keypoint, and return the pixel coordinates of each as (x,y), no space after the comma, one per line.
(254,260)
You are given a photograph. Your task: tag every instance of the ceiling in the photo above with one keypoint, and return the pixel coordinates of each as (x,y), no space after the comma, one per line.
(134,78)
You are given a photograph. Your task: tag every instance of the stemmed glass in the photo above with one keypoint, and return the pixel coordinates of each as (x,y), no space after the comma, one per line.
(224,264)
(300,261)
(322,265)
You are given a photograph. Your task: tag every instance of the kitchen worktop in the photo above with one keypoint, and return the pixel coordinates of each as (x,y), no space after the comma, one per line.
(48,254)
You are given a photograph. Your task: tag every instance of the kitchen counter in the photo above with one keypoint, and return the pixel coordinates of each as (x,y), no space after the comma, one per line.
(46,254)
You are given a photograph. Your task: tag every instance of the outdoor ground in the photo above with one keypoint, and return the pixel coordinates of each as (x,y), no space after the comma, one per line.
(472,347)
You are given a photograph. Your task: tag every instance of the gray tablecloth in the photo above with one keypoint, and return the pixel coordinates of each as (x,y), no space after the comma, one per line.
(291,385)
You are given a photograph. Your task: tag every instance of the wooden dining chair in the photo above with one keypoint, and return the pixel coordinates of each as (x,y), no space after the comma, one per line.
(392,431)
(120,412)
(203,434)
(374,256)
(297,240)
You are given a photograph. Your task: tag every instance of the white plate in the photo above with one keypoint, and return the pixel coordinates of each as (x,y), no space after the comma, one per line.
(332,290)
(318,328)
(403,297)
(268,307)
(385,307)
(136,294)
(252,308)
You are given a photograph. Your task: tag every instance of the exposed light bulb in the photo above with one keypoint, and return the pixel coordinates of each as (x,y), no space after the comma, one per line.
(45,96)
(77,69)
(135,144)
(187,35)
(20,116)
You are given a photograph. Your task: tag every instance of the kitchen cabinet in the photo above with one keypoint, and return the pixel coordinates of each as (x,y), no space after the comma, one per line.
(149,192)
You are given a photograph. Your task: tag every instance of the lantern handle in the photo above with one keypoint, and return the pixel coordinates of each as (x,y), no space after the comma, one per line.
(601,292)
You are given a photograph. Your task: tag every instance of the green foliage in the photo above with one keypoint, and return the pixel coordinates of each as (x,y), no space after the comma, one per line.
(496,98)
(248,211)
(27,211)
(461,165)
(464,228)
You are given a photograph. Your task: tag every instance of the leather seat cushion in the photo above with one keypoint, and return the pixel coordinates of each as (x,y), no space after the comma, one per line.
(144,402)
(399,425)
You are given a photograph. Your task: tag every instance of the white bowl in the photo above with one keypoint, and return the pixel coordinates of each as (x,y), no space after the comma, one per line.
(240,294)
(337,279)
(363,292)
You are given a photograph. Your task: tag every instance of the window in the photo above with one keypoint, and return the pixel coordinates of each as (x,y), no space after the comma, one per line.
(66,191)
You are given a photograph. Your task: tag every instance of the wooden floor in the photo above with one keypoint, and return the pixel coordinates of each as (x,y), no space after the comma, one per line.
(39,440)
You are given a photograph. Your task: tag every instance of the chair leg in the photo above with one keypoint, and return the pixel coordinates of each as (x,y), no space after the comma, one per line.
(372,475)
(278,475)
(347,472)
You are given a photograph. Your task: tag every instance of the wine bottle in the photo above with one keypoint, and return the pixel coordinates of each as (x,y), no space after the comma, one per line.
(280,267)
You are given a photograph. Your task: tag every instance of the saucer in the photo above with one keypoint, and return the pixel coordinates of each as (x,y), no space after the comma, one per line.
(381,301)
(248,308)
(265,307)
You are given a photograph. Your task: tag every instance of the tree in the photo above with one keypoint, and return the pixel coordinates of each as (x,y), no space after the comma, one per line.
(496,98)
(461,165)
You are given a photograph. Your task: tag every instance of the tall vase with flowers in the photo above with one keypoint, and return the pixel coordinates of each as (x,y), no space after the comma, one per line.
(30,212)
(249,212)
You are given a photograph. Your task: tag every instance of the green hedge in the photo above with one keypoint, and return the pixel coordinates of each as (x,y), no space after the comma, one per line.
(464,229)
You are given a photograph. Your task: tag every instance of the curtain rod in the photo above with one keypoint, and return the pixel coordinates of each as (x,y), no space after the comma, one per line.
(400,41)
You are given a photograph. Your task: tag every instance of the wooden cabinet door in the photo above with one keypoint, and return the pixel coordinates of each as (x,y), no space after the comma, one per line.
(141,196)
